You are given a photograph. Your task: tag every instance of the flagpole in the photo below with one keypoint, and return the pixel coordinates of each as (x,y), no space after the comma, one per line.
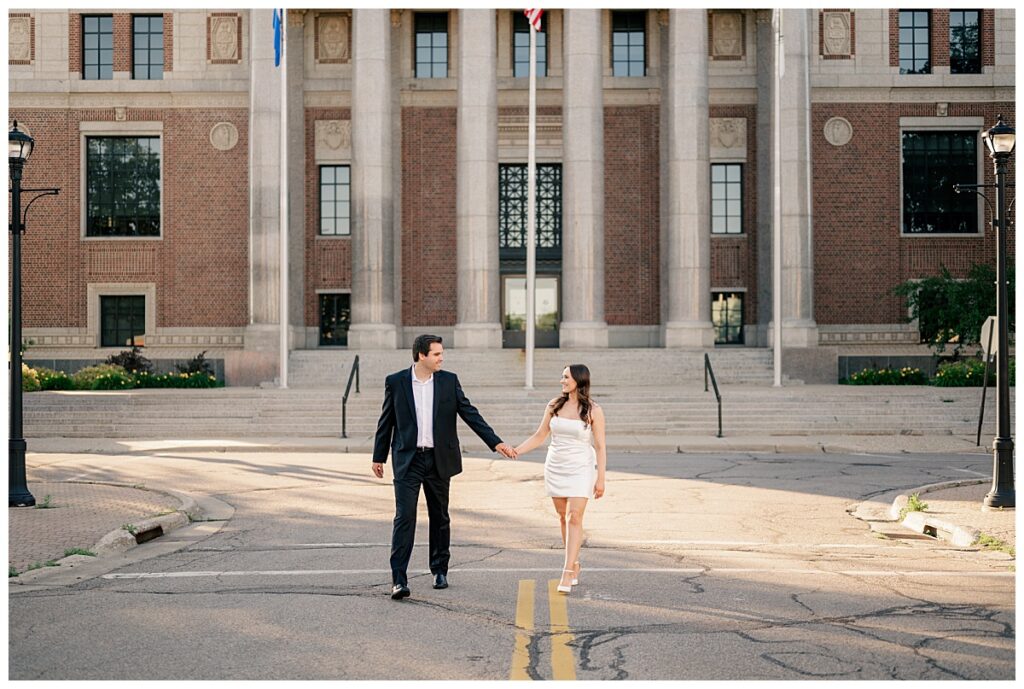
(284,201)
(531,205)
(777,201)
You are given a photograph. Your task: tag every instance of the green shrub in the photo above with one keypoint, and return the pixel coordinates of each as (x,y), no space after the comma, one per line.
(191,380)
(968,373)
(115,380)
(950,310)
(113,377)
(176,380)
(29,379)
(131,360)
(198,364)
(148,380)
(54,380)
(888,376)
(86,378)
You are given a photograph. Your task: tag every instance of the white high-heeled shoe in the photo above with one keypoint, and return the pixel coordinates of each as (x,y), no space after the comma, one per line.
(575,573)
(564,589)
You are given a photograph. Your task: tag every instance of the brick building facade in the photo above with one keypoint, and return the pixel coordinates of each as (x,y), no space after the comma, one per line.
(407,137)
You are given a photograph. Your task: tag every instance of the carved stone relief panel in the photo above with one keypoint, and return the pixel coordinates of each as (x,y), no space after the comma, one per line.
(727,35)
(728,137)
(333,140)
(838,131)
(223,136)
(19,35)
(837,34)
(333,36)
(224,38)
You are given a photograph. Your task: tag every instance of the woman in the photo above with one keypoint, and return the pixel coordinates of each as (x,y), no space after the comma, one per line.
(575,466)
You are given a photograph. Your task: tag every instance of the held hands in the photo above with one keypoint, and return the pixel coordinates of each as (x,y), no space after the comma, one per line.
(508,451)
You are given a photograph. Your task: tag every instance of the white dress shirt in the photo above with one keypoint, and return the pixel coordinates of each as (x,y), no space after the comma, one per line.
(423,395)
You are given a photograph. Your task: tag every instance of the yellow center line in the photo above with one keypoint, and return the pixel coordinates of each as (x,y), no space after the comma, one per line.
(524,622)
(563,664)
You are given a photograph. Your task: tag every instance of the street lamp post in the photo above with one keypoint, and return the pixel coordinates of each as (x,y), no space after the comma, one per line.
(1000,140)
(19,148)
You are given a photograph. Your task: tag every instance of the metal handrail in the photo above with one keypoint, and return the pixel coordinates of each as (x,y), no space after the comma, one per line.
(718,396)
(344,400)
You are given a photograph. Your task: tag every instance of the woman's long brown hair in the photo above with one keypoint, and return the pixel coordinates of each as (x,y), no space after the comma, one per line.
(581,374)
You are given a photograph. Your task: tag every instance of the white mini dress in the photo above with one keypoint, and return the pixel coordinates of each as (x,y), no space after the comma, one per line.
(570,469)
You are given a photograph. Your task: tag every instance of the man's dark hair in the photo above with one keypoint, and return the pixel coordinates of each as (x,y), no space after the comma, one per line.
(421,345)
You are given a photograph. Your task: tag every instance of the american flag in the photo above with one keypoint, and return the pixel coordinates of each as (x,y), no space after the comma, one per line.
(534,18)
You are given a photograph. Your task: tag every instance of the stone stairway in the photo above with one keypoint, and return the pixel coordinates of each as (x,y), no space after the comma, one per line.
(641,367)
(513,412)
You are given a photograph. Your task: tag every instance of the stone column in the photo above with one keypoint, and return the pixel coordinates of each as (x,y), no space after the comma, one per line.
(262,334)
(373,297)
(476,204)
(688,223)
(798,326)
(765,79)
(583,324)
(296,189)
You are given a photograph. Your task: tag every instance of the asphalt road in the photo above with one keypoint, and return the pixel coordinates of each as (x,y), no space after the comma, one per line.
(695,567)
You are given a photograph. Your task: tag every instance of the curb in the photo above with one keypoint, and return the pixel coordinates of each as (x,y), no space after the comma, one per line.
(119,540)
(683,444)
(926,524)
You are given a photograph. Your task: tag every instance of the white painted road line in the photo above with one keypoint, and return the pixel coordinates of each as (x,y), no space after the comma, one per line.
(606,542)
(524,570)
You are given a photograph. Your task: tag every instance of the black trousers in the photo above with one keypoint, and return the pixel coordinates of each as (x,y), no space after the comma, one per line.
(422,472)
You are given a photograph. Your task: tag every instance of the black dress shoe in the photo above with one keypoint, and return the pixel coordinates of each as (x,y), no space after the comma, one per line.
(399,591)
(440,581)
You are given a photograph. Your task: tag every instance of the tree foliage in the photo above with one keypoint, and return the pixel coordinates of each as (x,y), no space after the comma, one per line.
(952,311)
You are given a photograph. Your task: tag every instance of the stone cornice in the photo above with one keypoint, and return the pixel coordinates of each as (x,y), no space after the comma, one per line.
(238,99)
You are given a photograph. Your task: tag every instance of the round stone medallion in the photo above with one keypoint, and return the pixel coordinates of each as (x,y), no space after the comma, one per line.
(223,136)
(838,131)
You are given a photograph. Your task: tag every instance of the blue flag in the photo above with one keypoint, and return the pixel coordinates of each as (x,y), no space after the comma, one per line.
(278,28)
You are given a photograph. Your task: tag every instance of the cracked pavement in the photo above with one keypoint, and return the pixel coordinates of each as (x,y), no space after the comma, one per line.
(696,566)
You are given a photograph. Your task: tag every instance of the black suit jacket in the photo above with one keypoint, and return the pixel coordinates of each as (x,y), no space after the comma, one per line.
(397,428)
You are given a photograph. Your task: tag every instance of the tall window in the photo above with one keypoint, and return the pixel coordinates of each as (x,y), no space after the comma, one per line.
(122,319)
(521,45)
(932,163)
(335,316)
(914,42)
(147,47)
(335,205)
(628,30)
(431,45)
(512,201)
(122,186)
(727,198)
(727,317)
(97,46)
(964,42)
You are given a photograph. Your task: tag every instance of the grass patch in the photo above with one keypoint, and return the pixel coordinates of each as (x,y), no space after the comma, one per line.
(130,528)
(46,504)
(993,543)
(11,571)
(914,504)
(78,551)
(40,565)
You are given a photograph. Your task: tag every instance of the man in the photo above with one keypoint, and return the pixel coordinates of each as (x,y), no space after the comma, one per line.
(417,422)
